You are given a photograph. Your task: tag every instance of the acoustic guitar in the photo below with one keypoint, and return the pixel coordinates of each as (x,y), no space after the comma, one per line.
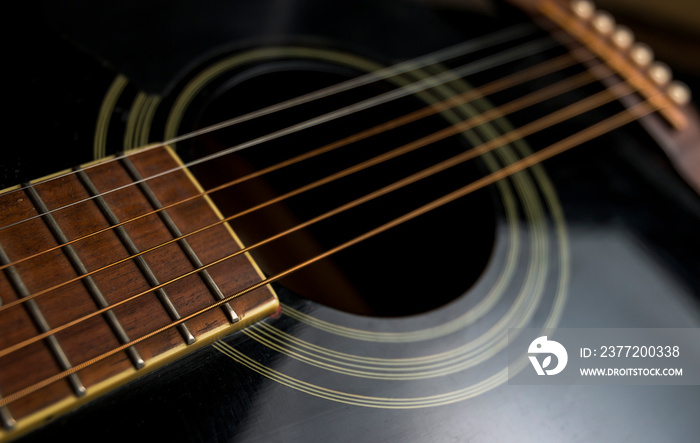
(307,220)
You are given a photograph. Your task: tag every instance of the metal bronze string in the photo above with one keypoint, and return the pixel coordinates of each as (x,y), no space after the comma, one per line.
(439,56)
(577,108)
(616,121)
(560,87)
(542,69)
(483,64)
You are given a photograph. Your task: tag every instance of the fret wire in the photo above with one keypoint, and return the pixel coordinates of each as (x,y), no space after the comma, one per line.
(39,320)
(88,281)
(6,420)
(175,232)
(140,261)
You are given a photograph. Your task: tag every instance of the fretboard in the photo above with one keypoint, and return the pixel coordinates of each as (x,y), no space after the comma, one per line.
(96,260)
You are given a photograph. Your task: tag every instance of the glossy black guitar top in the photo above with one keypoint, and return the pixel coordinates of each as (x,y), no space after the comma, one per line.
(401,337)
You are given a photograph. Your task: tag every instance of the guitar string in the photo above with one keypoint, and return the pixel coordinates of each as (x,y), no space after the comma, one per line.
(507,56)
(458,50)
(618,120)
(577,108)
(169,282)
(536,97)
(578,56)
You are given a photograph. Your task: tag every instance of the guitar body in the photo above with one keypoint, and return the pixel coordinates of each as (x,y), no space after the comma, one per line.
(603,236)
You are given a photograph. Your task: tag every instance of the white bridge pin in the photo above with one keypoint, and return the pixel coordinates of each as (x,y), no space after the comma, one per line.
(660,73)
(642,54)
(679,93)
(623,37)
(583,9)
(604,23)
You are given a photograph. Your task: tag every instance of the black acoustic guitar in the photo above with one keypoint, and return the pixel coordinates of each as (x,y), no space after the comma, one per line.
(312,220)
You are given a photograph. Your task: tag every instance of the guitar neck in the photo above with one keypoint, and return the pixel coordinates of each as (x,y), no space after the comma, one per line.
(75,248)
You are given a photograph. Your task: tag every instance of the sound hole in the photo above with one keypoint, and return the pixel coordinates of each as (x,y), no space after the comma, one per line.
(412,268)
